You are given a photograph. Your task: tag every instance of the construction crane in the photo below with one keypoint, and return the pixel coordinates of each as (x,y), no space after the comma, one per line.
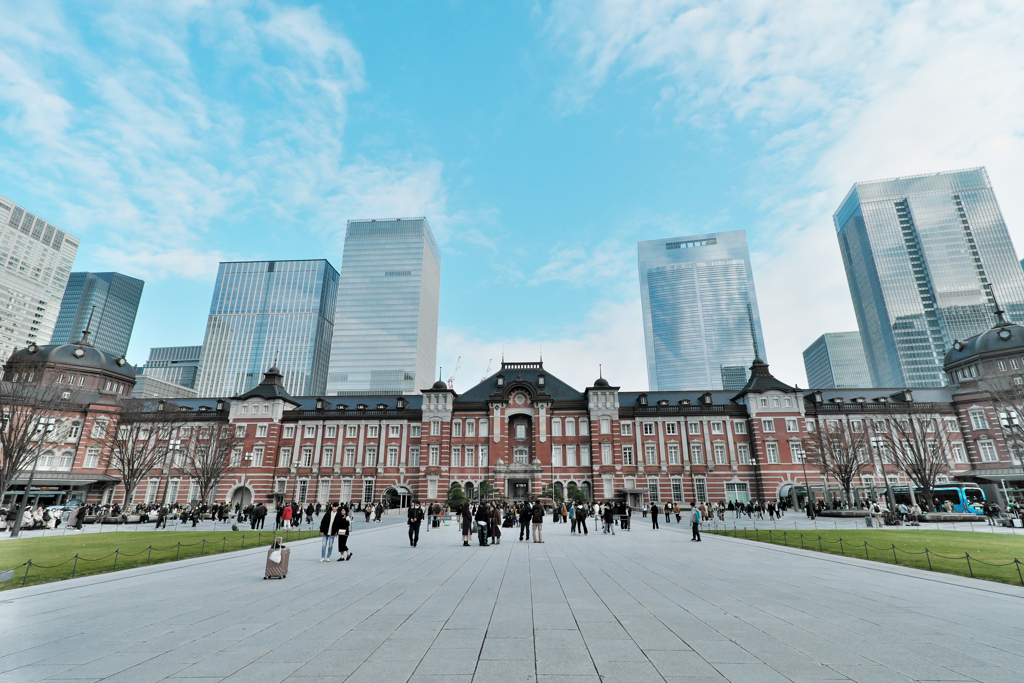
(451,380)
(487,373)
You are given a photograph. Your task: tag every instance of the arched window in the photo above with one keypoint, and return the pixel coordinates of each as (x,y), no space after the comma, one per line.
(468,488)
(520,455)
(559,491)
(585,487)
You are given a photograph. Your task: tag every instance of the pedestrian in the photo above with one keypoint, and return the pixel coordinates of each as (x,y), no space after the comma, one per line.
(581,519)
(608,517)
(654,515)
(644,510)
(668,513)
(695,521)
(467,524)
(260,515)
(344,529)
(415,517)
(538,522)
(329,525)
(286,516)
(483,521)
(495,528)
(677,512)
(572,520)
(525,517)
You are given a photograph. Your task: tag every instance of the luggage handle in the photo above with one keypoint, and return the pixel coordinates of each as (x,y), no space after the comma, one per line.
(277,542)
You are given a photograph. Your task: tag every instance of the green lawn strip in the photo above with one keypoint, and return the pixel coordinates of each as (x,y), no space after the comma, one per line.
(947,550)
(53,558)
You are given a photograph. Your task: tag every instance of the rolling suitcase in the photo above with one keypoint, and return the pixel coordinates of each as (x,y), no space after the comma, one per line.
(277,560)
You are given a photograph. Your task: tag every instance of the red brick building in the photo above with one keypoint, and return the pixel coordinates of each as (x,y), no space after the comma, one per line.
(523,430)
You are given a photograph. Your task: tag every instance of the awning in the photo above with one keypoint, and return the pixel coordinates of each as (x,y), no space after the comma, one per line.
(69,478)
(993,474)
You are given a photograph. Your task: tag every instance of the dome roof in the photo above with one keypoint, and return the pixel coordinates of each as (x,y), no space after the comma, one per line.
(601,382)
(439,386)
(75,355)
(1005,338)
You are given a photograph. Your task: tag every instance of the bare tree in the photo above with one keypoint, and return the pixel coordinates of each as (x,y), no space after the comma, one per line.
(138,438)
(914,442)
(28,406)
(213,451)
(836,449)
(1008,400)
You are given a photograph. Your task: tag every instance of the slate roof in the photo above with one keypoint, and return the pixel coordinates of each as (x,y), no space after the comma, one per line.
(554,387)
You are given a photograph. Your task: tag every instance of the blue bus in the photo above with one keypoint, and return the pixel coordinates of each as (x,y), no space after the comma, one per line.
(965,498)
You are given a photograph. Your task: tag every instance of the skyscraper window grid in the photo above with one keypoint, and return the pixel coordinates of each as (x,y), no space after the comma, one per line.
(35,263)
(701,320)
(109,300)
(923,255)
(267,313)
(385,338)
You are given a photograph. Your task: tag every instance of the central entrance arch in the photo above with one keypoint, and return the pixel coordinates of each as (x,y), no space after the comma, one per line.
(398,496)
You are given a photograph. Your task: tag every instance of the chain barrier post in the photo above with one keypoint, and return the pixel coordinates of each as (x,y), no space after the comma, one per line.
(1019,576)
(926,555)
(75,567)
(969,568)
(202,550)
(224,544)
(150,555)
(866,551)
(178,554)
(116,552)
(28,565)
(819,543)
(843,552)
(897,561)
(801,541)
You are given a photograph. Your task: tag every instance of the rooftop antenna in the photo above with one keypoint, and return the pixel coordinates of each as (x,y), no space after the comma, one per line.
(600,371)
(439,368)
(1000,317)
(541,353)
(88,326)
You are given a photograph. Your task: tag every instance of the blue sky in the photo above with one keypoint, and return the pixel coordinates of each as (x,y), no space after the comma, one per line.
(542,141)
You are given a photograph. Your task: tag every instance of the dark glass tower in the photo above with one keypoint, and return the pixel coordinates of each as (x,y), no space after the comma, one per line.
(116,300)
(268,313)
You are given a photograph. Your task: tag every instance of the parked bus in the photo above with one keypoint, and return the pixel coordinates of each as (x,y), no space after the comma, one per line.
(965,498)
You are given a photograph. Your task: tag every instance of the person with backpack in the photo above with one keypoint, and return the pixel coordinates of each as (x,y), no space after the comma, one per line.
(695,521)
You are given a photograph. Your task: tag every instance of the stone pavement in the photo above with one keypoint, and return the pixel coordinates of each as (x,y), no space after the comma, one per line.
(640,606)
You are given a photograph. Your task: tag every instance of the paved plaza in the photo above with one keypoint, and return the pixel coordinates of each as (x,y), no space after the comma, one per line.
(640,606)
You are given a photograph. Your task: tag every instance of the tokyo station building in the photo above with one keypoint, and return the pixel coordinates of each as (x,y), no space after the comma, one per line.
(522,430)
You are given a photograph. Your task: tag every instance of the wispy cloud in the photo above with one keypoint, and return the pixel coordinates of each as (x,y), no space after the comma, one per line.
(834,93)
(155,156)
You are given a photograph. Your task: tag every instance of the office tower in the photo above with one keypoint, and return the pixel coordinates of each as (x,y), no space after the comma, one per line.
(926,257)
(701,322)
(154,387)
(176,364)
(107,302)
(267,313)
(35,263)
(836,361)
(385,338)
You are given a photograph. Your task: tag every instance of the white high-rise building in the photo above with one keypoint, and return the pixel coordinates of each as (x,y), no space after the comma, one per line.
(385,328)
(35,263)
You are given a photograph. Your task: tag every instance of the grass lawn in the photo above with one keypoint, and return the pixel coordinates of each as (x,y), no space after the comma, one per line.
(53,559)
(947,551)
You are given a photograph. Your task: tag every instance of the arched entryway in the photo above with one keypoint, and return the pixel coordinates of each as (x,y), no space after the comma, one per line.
(397,496)
(240,495)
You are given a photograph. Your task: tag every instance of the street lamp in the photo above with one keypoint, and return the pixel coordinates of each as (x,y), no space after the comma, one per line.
(248,459)
(44,427)
(807,487)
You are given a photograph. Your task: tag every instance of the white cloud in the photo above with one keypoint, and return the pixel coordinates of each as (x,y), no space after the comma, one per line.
(612,336)
(157,157)
(841,91)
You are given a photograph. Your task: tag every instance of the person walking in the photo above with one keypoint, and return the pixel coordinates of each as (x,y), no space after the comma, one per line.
(608,517)
(415,518)
(677,512)
(495,528)
(525,517)
(572,520)
(467,524)
(538,522)
(261,516)
(668,513)
(654,515)
(483,522)
(644,510)
(286,517)
(695,521)
(329,525)
(581,519)
(344,531)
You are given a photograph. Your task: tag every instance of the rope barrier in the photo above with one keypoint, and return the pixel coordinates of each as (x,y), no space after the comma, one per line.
(1015,562)
(117,554)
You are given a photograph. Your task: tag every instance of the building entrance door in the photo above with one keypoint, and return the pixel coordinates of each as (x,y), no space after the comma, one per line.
(520,490)
(242,495)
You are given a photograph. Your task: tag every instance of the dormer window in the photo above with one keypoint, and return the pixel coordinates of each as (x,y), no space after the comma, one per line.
(501,381)
(541,380)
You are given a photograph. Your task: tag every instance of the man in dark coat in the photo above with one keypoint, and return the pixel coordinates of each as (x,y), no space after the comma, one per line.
(330,524)
(525,515)
(467,524)
(483,522)
(495,529)
(654,515)
(415,517)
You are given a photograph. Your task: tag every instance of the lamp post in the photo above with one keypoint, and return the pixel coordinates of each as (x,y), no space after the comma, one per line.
(807,487)
(245,475)
(45,426)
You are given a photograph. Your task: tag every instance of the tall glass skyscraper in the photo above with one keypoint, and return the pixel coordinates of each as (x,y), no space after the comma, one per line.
(701,322)
(35,263)
(924,255)
(268,313)
(116,300)
(836,361)
(385,332)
